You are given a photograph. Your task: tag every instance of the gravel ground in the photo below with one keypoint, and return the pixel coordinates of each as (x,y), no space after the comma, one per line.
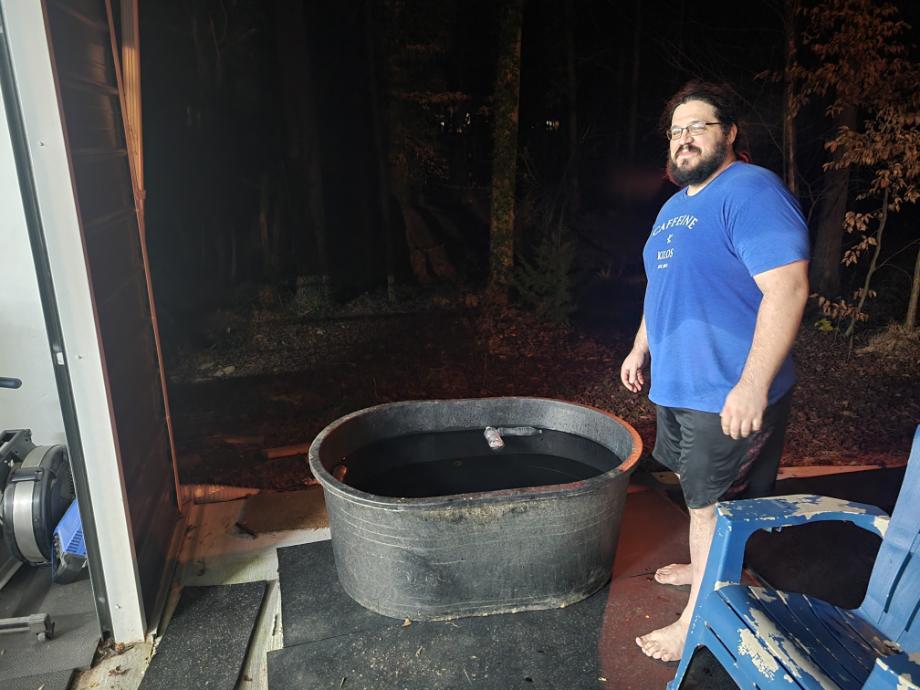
(273,377)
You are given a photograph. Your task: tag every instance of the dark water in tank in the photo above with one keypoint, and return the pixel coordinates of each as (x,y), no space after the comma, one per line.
(455,462)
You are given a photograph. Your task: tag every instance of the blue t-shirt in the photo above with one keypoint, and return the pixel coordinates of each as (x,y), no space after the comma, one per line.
(701,302)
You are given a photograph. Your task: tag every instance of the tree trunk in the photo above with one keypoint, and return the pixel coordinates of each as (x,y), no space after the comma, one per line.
(872,266)
(910,321)
(634,86)
(398,168)
(504,158)
(265,240)
(825,263)
(789,132)
(573,200)
(302,136)
(380,150)
(619,88)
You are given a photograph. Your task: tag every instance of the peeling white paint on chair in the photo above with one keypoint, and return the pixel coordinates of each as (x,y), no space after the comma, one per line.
(881,524)
(810,506)
(724,509)
(763,595)
(798,505)
(763,660)
(906,682)
(786,651)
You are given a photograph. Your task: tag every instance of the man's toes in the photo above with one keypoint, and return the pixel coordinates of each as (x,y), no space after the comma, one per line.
(649,647)
(659,652)
(674,574)
(665,644)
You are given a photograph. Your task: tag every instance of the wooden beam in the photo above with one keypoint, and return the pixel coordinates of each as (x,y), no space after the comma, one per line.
(131,83)
(286,451)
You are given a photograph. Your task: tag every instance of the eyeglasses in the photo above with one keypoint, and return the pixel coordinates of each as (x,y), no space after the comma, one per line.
(694,128)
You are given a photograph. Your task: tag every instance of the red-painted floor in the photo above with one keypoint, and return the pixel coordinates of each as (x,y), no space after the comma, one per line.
(653,533)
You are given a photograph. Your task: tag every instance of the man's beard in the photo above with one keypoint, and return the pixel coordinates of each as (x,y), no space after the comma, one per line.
(695,174)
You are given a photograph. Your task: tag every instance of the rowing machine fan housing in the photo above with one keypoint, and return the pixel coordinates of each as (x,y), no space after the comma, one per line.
(37,493)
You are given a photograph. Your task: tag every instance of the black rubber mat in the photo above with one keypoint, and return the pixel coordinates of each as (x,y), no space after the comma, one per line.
(71,607)
(313,604)
(537,649)
(59,680)
(531,650)
(205,643)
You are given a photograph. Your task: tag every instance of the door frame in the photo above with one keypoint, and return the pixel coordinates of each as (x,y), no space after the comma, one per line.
(37,131)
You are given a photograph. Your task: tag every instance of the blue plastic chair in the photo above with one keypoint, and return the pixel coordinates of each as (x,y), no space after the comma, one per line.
(766,638)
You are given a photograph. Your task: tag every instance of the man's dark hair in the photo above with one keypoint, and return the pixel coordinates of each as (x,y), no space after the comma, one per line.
(719,96)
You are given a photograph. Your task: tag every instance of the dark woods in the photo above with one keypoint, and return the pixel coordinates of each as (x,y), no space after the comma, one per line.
(313,151)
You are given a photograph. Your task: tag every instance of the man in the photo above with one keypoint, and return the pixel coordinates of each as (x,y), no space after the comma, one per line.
(726,264)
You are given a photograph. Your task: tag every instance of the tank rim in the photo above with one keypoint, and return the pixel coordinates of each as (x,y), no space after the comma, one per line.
(545,492)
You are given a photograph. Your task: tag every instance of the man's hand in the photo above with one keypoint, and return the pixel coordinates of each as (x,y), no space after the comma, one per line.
(742,413)
(631,372)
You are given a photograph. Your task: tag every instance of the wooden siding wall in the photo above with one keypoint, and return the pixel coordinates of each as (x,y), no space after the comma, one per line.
(85,73)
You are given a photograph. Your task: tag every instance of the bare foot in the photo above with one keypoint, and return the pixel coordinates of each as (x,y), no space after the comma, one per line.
(674,574)
(665,643)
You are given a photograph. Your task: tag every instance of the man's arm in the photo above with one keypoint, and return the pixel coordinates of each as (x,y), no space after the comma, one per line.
(785,291)
(631,370)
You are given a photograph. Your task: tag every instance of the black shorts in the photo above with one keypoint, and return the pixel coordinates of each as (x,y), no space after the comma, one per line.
(713,466)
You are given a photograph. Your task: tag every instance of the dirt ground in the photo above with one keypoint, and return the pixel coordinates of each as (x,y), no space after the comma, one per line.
(275,377)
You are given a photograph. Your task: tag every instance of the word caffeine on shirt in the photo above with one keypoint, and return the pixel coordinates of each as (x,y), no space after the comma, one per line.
(685,220)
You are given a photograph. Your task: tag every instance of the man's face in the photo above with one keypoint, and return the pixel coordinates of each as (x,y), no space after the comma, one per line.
(693,158)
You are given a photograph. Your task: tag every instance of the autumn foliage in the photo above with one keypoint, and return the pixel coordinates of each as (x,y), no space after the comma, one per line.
(862,62)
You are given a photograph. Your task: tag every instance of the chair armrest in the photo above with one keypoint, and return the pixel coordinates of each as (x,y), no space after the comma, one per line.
(800,509)
(736,521)
(898,672)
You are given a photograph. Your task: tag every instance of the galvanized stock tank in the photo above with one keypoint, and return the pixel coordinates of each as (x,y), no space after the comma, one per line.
(450,508)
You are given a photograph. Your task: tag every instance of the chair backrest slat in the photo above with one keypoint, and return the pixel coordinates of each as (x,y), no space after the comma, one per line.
(891,602)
